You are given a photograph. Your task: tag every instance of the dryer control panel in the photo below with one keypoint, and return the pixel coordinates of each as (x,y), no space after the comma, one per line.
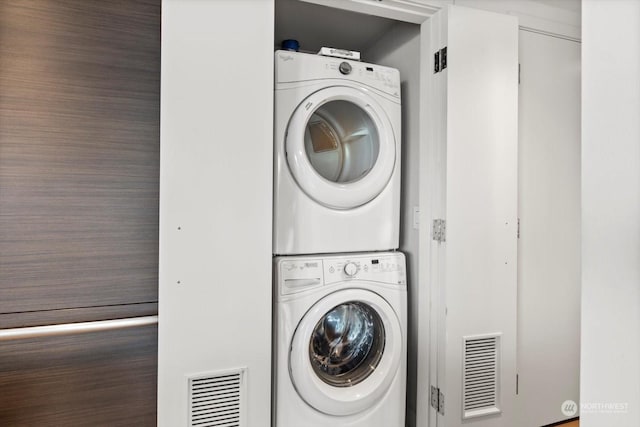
(295,67)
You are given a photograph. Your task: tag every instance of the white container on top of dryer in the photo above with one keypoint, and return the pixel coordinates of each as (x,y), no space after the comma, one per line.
(336,155)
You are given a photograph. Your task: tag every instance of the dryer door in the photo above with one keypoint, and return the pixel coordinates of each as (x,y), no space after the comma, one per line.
(345,352)
(340,146)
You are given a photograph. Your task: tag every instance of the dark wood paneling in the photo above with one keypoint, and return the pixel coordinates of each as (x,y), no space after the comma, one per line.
(97,379)
(71,315)
(79,153)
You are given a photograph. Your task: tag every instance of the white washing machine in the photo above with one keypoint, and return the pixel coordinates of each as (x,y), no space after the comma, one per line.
(337,155)
(340,340)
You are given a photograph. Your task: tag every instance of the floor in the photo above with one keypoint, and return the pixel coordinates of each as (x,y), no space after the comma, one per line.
(575,423)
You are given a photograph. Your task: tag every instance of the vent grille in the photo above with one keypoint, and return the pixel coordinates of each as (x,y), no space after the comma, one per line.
(480,388)
(215,400)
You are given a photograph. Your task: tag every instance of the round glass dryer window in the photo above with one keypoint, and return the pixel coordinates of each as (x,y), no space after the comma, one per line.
(347,344)
(341,141)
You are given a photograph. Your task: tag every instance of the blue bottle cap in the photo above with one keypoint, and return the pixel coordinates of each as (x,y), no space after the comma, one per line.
(290,45)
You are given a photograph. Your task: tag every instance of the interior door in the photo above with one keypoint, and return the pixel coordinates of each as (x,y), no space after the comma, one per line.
(475,86)
(549,205)
(215,204)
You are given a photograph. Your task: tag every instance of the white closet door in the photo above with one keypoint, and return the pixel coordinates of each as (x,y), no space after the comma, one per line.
(477,278)
(215,208)
(549,245)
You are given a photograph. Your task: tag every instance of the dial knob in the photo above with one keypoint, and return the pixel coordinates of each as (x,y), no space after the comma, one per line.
(345,68)
(350,269)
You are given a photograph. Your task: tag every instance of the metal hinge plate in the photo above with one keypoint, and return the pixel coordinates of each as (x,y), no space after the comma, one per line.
(437,400)
(443,58)
(434,398)
(440,60)
(440,230)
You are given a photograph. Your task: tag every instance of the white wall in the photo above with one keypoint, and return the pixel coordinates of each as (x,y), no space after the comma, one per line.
(610,363)
(215,199)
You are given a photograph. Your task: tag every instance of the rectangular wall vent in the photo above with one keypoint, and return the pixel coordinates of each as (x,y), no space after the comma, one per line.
(481,375)
(216,400)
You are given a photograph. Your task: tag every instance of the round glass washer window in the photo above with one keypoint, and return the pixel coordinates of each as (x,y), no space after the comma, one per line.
(341,141)
(347,344)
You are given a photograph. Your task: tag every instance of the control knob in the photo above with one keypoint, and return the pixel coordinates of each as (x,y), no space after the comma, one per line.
(350,269)
(345,68)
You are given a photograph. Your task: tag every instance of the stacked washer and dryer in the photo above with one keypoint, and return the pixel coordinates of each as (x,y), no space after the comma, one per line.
(340,302)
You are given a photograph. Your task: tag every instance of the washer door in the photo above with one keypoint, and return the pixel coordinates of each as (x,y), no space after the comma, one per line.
(341,147)
(346,352)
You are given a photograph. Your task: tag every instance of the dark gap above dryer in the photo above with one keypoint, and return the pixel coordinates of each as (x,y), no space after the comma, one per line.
(315,26)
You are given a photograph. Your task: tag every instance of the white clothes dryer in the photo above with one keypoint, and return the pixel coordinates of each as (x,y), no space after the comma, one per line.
(340,337)
(336,155)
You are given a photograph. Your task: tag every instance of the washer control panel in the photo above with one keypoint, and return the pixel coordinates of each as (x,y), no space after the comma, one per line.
(298,274)
(385,268)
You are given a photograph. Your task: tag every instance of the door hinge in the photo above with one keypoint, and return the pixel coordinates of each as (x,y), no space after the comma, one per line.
(518,73)
(440,230)
(437,400)
(518,232)
(443,58)
(517,383)
(440,60)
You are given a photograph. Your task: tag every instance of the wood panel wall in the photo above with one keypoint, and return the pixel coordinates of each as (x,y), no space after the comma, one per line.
(97,379)
(79,186)
(79,153)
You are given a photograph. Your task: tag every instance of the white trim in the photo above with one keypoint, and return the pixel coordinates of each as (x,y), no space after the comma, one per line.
(547,33)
